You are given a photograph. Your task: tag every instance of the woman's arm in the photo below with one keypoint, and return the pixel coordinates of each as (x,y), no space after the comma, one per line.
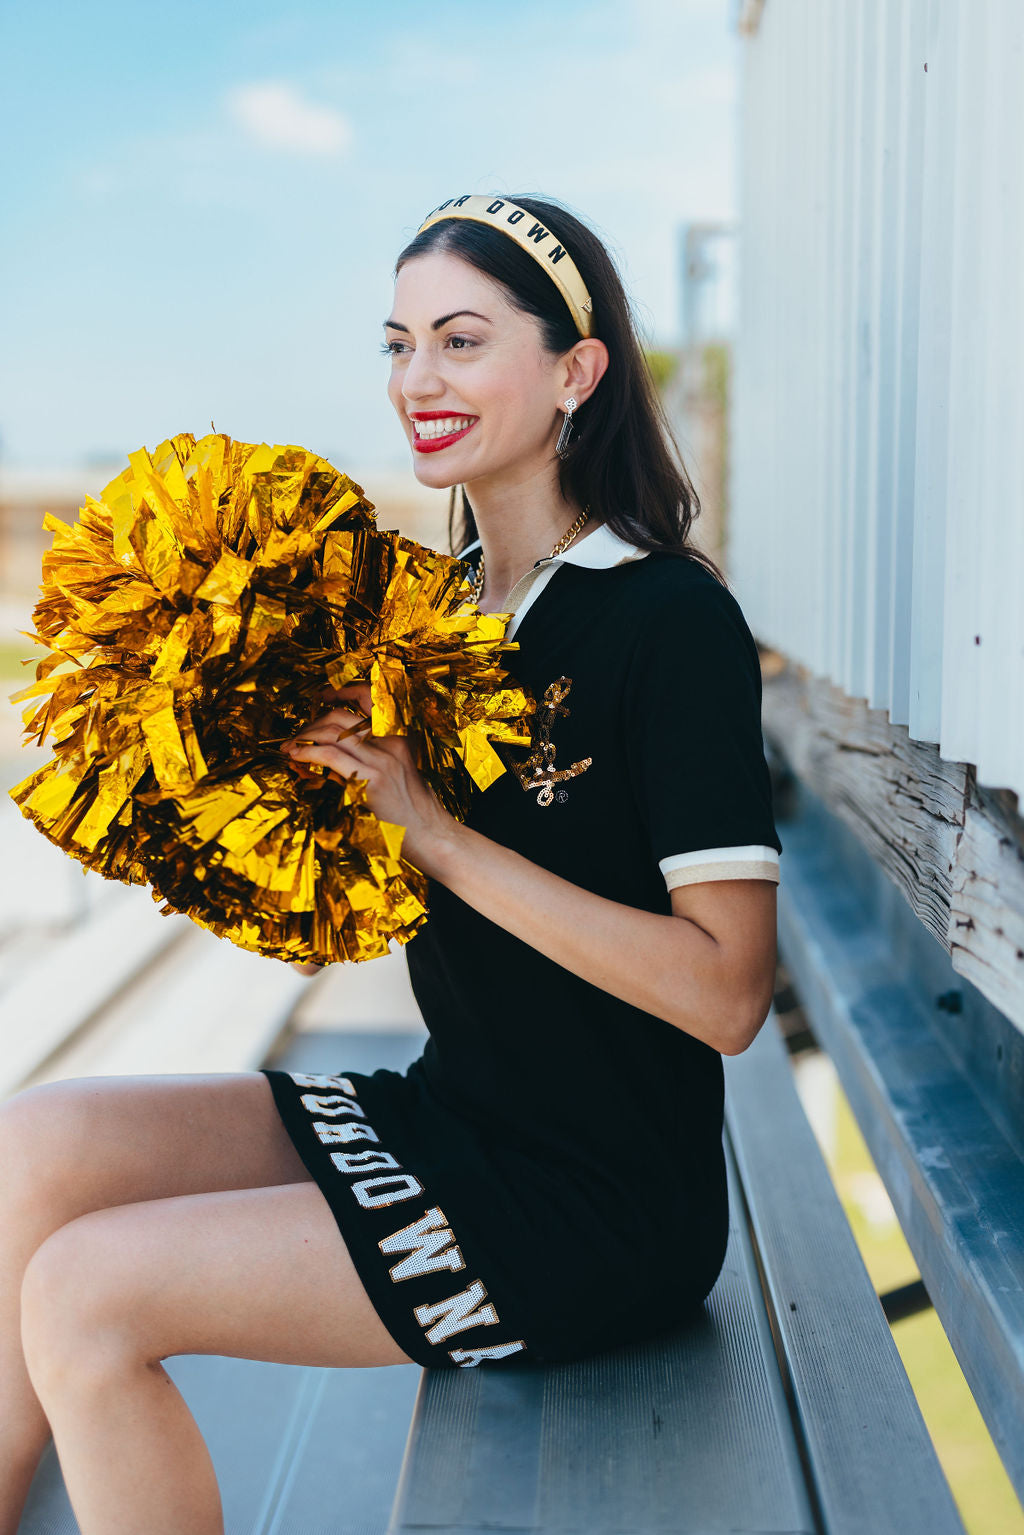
(709,969)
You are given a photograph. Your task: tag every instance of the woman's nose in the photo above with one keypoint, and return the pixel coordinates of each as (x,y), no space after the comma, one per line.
(420,380)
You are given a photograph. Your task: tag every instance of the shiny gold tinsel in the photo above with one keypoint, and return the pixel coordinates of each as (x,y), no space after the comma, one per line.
(194,616)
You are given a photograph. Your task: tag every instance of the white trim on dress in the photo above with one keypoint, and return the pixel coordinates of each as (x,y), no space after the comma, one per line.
(751,862)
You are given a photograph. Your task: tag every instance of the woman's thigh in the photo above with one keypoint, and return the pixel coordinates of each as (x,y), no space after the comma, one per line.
(258,1273)
(87,1143)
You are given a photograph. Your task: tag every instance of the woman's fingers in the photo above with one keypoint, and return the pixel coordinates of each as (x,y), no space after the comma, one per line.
(337,725)
(338,741)
(321,734)
(342,717)
(356,696)
(327,755)
(358,691)
(342,741)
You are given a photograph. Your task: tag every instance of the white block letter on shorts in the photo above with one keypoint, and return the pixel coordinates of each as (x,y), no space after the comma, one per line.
(456,1313)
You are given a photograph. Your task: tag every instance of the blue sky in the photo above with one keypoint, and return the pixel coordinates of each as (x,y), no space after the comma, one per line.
(204,201)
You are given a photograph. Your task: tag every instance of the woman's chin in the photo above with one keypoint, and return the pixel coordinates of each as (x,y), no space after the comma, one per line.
(430,472)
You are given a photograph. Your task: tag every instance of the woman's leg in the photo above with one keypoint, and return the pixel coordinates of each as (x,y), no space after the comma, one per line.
(87,1143)
(260,1273)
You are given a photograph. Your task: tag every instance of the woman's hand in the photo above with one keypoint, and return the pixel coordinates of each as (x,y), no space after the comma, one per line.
(340,741)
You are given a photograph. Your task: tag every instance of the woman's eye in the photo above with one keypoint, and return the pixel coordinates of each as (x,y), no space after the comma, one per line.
(399,348)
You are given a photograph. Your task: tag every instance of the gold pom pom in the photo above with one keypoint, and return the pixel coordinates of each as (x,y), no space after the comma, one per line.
(195,614)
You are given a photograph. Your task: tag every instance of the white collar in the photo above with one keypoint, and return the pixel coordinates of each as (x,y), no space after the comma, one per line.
(600,550)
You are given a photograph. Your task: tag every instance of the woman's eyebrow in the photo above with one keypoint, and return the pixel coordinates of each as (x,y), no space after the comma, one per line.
(394,324)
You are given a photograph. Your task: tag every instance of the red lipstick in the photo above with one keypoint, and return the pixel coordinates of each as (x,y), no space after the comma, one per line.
(435,444)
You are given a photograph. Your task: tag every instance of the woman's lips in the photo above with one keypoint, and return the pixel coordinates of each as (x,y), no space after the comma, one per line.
(435,444)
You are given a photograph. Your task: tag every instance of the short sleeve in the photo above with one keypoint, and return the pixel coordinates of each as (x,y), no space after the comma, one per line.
(693,738)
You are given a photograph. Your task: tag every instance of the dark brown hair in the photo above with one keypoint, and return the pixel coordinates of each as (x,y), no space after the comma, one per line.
(623,460)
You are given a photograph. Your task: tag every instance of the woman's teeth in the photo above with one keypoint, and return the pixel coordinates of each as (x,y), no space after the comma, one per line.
(443,426)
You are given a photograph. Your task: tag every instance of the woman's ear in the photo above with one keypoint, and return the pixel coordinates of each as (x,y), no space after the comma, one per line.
(584,367)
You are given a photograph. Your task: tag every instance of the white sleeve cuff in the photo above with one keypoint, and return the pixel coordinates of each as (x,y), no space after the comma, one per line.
(720,863)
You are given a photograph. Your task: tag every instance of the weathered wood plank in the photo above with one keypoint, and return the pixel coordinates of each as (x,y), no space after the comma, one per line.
(986,921)
(954,848)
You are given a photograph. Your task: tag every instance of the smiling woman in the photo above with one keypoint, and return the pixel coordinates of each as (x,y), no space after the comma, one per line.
(483,365)
(602,924)
(548,1179)
(620,456)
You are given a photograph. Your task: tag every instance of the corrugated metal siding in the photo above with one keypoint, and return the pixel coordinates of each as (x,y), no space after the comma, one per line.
(877,495)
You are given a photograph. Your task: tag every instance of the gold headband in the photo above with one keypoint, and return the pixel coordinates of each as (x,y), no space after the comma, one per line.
(530,236)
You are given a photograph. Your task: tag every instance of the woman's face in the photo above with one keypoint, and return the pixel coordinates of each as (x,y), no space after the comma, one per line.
(476,393)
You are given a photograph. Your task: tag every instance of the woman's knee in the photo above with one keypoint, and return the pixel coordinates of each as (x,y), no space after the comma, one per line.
(75,1323)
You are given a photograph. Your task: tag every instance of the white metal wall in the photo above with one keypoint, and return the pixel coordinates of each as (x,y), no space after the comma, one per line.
(877,495)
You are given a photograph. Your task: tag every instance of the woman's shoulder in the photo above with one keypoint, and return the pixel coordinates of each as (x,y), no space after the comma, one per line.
(677,589)
(685,623)
(689,649)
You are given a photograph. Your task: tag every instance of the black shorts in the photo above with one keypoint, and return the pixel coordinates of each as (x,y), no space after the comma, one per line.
(472,1252)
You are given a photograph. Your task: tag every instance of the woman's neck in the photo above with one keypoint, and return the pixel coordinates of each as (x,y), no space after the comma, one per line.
(518,525)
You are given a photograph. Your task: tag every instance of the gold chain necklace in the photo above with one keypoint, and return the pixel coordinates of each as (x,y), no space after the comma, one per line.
(477,584)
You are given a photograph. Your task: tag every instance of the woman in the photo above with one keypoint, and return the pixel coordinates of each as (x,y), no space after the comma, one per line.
(548,1180)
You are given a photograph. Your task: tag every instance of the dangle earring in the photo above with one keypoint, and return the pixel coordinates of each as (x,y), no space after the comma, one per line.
(562,445)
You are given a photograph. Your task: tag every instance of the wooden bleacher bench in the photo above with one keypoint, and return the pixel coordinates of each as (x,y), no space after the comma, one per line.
(782,1406)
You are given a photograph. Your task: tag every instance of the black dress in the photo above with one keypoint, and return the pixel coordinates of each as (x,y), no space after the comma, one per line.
(548,1179)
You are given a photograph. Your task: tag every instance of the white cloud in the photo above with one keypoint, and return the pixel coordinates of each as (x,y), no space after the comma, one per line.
(276,114)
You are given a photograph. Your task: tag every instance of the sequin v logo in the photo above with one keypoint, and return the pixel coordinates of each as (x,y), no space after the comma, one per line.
(539,771)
